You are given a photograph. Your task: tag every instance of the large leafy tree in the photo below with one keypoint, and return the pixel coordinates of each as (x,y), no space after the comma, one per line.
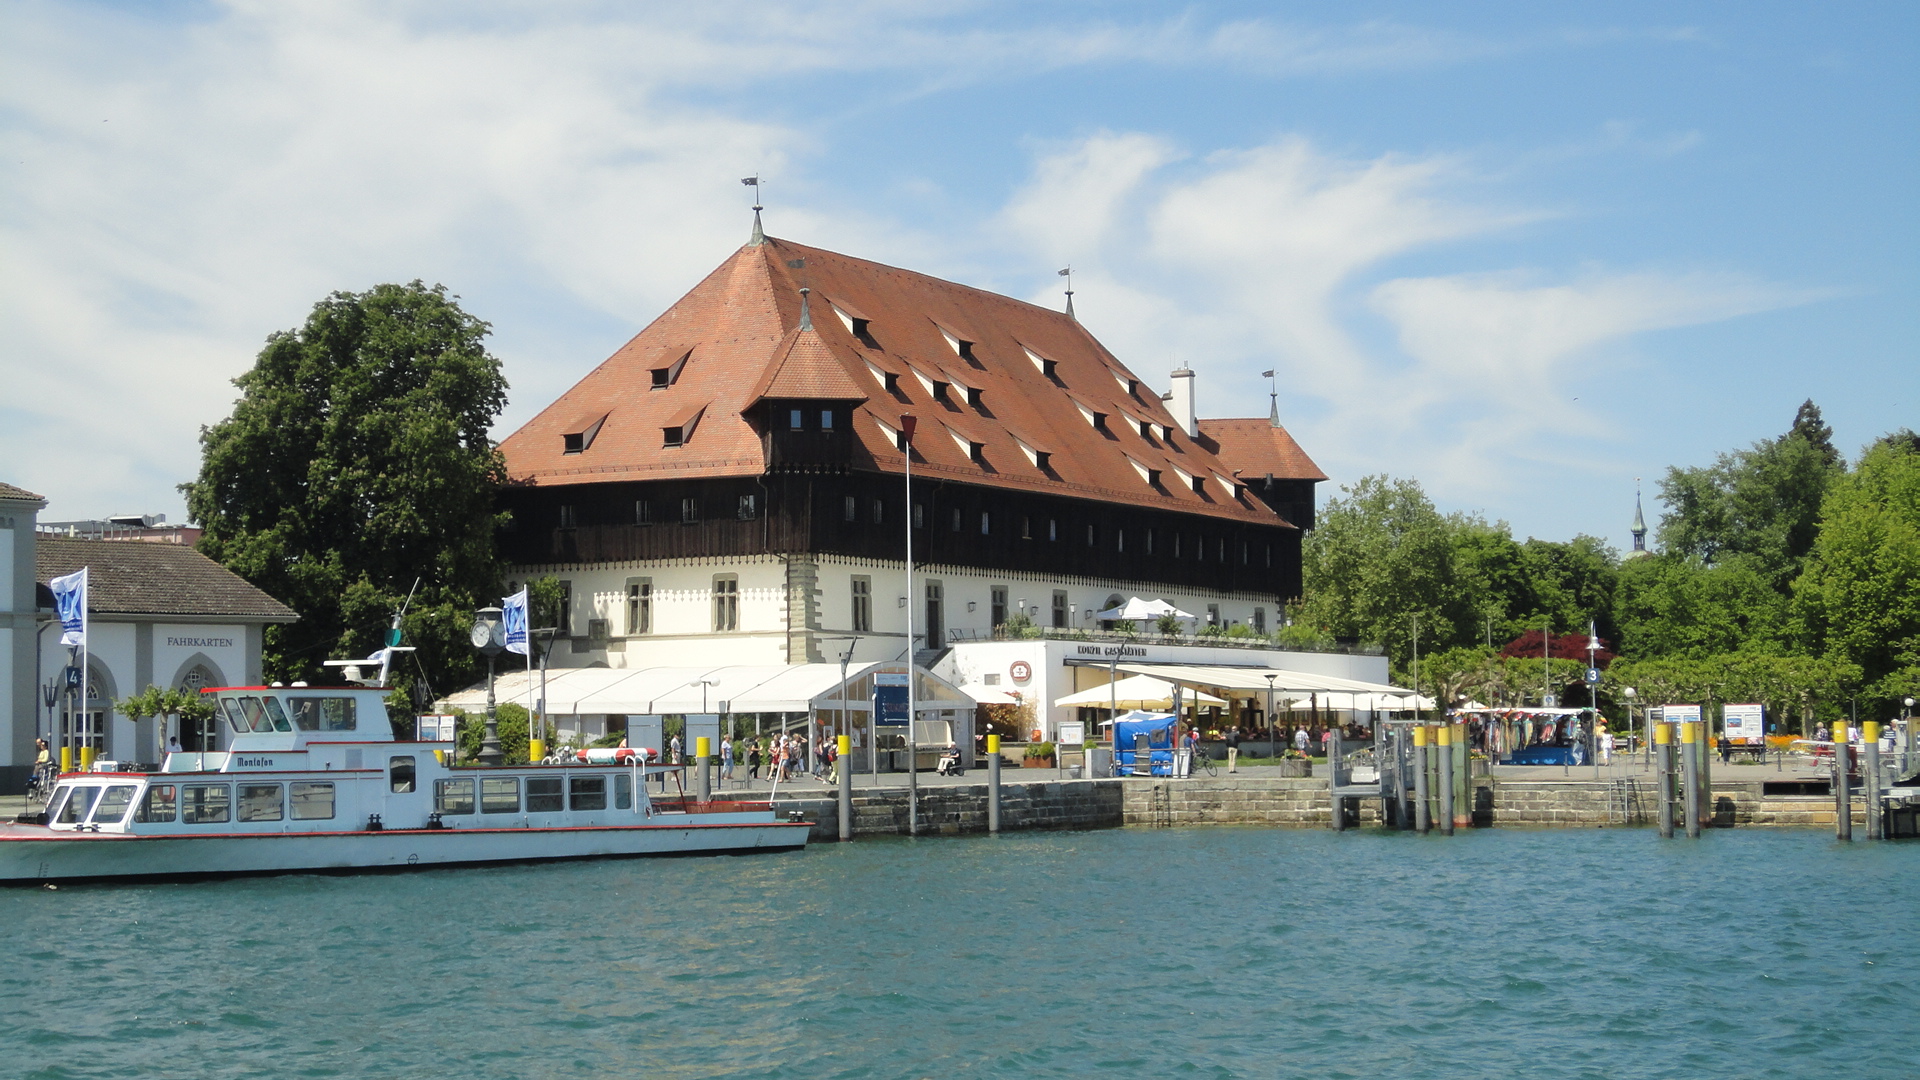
(1762,503)
(1859,599)
(1379,558)
(356,462)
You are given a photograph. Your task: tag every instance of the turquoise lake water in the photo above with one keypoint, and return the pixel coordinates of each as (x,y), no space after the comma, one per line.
(1223,952)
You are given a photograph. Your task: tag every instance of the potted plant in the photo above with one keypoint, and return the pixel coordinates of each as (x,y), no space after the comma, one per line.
(1040,755)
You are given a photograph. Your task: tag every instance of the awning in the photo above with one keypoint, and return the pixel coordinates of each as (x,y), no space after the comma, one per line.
(988,695)
(1136,609)
(1136,692)
(1252,682)
(783,688)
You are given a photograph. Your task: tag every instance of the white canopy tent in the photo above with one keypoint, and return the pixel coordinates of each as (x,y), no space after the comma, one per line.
(784,688)
(1138,610)
(1252,683)
(1136,692)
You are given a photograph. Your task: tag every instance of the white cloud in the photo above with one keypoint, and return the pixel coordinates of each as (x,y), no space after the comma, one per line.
(1280,256)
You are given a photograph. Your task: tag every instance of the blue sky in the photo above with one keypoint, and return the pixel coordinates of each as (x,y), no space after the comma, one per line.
(1523,253)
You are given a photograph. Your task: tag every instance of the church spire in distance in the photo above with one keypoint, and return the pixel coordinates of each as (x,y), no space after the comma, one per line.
(1639,523)
(759,235)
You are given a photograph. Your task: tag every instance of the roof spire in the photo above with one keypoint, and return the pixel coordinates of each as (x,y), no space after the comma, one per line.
(1639,520)
(806,313)
(1068,274)
(759,235)
(1273,395)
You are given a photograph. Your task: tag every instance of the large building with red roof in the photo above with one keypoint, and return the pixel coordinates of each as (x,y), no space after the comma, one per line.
(734,474)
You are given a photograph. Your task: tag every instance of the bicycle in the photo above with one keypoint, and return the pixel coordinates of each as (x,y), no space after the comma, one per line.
(1199,761)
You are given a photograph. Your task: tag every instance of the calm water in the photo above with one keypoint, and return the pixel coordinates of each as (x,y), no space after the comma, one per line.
(1212,952)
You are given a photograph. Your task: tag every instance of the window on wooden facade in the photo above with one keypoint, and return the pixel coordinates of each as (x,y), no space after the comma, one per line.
(1059,608)
(1026,527)
(878,511)
(567,519)
(1269,556)
(852,509)
(748,508)
(1053,529)
(1149,541)
(919,515)
(862,603)
(1119,539)
(1259,620)
(796,419)
(986,523)
(956,519)
(826,419)
(1092,535)
(639,606)
(642,512)
(690,510)
(999,605)
(726,602)
(936,615)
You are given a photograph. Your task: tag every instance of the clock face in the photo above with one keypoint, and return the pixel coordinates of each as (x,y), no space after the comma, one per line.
(481,634)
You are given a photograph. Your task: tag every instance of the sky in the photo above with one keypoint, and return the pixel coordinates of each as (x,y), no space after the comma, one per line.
(1522,253)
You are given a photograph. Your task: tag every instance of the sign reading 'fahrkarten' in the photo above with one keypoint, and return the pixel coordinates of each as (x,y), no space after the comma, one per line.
(199,642)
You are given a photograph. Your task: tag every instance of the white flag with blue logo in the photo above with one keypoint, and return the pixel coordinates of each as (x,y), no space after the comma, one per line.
(70,600)
(513,612)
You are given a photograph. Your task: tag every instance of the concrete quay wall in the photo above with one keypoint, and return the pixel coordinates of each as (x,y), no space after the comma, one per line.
(1278,802)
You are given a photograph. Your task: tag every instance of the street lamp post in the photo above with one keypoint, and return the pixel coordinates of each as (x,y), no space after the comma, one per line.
(489,635)
(1271,749)
(907,424)
(1628,693)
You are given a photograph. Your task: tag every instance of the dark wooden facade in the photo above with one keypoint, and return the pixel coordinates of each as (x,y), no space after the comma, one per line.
(823,510)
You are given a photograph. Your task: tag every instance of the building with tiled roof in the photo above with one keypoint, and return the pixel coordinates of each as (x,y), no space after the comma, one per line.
(734,474)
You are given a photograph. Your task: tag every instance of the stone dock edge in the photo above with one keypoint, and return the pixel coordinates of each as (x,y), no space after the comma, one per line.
(1279,802)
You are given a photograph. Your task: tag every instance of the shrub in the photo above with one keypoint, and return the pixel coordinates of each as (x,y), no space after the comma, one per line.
(1040,750)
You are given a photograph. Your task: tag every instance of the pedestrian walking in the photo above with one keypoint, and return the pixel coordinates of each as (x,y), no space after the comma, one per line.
(673,750)
(753,762)
(726,758)
(1233,750)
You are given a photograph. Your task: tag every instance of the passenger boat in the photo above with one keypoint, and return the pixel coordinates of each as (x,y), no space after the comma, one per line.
(314,780)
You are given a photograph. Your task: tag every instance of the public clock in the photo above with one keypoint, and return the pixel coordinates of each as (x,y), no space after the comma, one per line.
(484,634)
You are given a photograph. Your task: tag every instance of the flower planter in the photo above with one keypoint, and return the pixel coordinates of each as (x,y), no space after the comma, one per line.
(1036,763)
(1295,767)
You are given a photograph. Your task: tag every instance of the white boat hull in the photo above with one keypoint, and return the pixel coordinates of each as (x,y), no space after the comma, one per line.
(31,854)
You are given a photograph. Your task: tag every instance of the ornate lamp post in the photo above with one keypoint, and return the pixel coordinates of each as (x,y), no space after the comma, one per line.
(1629,693)
(489,635)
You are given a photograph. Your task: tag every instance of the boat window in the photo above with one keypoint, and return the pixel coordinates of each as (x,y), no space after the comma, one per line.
(160,804)
(622,792)
(543,795)
(277,715)
(260,802)
(499,794)
(453,796)
(587,792)
(255,716)
(400,774)
(113,805)
(235,718)
(204,804)
(323,713)
(74,810)
(312,801)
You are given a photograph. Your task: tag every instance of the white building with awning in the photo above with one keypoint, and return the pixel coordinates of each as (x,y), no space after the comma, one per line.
(817,699)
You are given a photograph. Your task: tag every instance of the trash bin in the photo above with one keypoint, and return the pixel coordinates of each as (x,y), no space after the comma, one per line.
(1182,763)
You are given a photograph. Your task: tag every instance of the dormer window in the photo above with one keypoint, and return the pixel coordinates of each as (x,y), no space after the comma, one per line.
(577,442)
(1146,430)
(1043,460)
(939,391)
(679,430)
(1048,368)
(977,453)
(960,346)
(674,436)
(664,377)
(1099,421)
(1199,485)
(1166,434)
(858,325)
(893,383)
(973,396)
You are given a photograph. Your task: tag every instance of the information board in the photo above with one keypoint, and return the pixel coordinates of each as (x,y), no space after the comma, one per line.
(1745,723)
(1071,733)
(890,699)
(1680,714)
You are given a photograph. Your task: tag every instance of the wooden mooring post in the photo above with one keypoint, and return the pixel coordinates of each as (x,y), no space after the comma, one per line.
(1663,776)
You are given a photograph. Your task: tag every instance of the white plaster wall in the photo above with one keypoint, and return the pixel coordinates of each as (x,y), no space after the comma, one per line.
(8,688)
(223,643)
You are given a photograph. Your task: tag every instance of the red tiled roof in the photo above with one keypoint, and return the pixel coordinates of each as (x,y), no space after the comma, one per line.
(740,324)
(8,491)
(1255,447)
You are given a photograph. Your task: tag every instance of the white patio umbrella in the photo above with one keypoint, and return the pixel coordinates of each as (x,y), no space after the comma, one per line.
(1138,692)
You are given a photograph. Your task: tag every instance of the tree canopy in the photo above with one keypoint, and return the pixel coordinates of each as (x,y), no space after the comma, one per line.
(356,461)
(1782,576)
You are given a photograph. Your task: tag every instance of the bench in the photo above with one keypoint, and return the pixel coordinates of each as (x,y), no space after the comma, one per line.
(1756,751)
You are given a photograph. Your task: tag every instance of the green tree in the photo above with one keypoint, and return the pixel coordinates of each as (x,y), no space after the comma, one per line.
(1665,605)
(356,461)
(1859,599)
(1762,503)
(1380,556)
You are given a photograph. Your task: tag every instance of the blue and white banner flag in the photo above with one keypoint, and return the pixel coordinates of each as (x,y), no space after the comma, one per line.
(70,600)
(513,612)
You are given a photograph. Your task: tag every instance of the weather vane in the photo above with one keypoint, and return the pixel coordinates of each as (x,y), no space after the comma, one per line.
(1068,274)
(753,182)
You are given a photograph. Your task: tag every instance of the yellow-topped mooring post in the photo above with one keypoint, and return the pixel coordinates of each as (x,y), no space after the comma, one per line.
(1870,778)
(1462,779)
(1690,774)
(843,766)
(1842,782)
(1422,819)
(703,768)
(1443,739)
(66,759)
(993,783)
(1663,775)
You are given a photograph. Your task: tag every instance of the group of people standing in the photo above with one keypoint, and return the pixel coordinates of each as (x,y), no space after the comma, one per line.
(784,756)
